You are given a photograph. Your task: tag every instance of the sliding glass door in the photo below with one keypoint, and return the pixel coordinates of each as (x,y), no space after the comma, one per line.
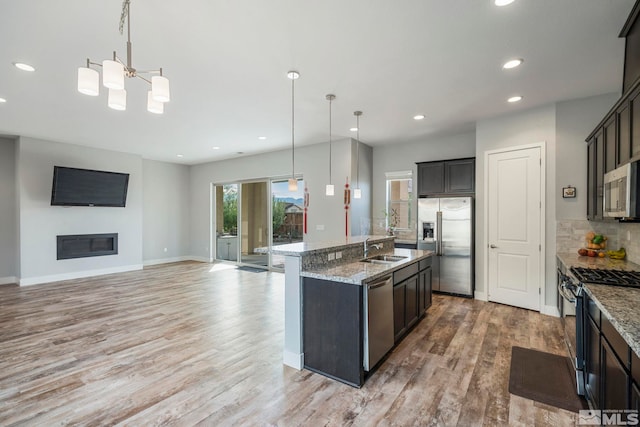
(252,215)
(254,223)
(287,217)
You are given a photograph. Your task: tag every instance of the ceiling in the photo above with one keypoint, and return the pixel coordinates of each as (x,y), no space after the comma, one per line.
(227,63)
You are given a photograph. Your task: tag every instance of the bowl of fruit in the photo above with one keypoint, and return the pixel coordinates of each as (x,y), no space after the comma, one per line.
(595,245)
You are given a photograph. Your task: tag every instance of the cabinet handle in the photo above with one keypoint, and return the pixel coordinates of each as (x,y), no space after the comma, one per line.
(492,246)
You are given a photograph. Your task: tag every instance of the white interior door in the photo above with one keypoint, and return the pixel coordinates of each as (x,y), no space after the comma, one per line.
(515,232)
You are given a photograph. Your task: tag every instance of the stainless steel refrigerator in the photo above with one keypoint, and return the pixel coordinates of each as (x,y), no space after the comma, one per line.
(445,226)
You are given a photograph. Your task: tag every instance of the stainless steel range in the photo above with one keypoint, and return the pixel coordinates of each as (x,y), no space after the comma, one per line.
(571,307)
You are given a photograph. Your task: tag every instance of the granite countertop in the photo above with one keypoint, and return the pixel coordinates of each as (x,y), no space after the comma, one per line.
(357,272)
(304,248)
(620,304)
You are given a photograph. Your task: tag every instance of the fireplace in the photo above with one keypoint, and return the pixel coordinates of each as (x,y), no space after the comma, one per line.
(87,245)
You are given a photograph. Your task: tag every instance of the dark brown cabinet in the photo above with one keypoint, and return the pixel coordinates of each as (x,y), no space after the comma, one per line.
(624,133)
(446,177)
(430,178)
(411,296)
(609,138)
(610,365)
(592,362)
(591,179)
(399,316)
(615,380)
(634,105)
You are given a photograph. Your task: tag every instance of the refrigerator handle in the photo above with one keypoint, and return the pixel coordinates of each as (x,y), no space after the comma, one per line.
(439,233)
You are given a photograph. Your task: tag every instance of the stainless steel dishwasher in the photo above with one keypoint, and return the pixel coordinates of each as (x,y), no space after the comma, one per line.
(378,320)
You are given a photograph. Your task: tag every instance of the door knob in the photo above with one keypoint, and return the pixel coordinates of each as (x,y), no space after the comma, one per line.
(492,246)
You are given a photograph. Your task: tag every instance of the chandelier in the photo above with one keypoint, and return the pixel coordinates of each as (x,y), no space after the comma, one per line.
(114,71)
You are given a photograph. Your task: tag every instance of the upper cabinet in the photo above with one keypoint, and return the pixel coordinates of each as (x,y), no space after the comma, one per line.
(446,177)
(616,139)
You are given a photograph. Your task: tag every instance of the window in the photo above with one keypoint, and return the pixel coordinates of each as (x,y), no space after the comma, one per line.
(399,198)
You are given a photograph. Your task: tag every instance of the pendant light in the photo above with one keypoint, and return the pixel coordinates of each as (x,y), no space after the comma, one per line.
(357,193)
(330,190)
(293,182)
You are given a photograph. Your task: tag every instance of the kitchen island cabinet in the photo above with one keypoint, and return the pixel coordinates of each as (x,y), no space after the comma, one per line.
(335,316)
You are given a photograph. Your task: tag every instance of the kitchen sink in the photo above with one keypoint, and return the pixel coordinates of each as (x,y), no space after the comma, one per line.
(384,259)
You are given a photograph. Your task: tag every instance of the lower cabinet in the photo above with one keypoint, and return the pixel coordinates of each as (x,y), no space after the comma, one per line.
(612,370)
(411,296)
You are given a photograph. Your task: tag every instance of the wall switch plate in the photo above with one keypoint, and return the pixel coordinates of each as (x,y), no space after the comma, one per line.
(165,249)
(628,235)
(320,227)
(338,255)
(332,256)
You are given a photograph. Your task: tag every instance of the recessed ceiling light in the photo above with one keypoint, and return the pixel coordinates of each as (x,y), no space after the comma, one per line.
(354,129)
(180,155)
(503,2)
(515,98)
(242,152)
(262,138)
(418,117)
(24,67)
(2,100)
(513,63)
(215,148)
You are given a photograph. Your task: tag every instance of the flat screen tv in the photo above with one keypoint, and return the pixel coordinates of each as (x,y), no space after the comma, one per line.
(84,187)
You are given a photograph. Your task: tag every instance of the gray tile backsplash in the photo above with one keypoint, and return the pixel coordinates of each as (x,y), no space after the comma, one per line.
(570,236)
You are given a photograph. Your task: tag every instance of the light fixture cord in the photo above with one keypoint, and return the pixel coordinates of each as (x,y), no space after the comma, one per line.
(293,156)
(330,100)
(358,151)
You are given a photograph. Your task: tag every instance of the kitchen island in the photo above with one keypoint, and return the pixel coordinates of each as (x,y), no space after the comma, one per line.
(325,298)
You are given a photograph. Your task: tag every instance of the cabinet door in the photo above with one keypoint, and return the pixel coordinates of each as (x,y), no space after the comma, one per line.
(424,294)
(610,158)
(411,301)
(398,310)
(430,178)
(460,176)
(635,124)
(591,179)
(624,134)
(634,397)
(599,174)
(615,380)
(592,362)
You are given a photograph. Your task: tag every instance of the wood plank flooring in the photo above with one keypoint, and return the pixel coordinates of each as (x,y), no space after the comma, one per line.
(197,344)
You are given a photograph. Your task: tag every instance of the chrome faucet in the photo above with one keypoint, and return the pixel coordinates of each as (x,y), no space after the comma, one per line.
(366,246)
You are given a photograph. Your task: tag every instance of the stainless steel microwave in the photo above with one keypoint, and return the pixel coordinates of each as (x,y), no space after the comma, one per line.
(621,188)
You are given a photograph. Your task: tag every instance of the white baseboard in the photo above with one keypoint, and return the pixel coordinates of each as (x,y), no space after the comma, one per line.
(294,360)
(77,275)
(8,280)
(167,260)
(198,258)
(550,310)
(480,295)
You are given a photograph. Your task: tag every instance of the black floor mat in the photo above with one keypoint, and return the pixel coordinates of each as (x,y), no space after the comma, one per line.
(544,377)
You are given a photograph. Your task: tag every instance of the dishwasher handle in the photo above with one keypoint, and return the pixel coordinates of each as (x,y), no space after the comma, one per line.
(379,284)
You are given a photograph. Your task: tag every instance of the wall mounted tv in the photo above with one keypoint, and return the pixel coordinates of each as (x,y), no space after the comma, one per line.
(84,187)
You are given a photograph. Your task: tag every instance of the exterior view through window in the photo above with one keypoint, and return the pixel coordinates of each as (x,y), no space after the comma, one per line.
(287,209)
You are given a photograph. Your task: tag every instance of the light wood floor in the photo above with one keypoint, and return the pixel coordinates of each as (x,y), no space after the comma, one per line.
(183,345)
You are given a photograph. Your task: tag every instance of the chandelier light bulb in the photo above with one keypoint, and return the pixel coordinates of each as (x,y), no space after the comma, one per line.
(357,193)
(160,89)
(293,184)
(154,106)
(117,99)
(88,81)
(112,74)
(329,190)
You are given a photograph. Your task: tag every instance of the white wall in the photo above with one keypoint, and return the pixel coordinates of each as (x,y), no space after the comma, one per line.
(166,207)
(8,207)
(312,163)
(40,222)
(403,157)
(528,127)
(575,120)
